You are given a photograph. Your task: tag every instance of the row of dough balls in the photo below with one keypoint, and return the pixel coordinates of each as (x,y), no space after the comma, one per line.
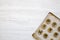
(45,35)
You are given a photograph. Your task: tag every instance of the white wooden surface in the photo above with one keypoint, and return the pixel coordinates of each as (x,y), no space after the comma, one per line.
(20,18)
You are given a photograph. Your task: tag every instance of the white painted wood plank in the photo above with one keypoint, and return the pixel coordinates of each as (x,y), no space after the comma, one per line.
(20,18)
